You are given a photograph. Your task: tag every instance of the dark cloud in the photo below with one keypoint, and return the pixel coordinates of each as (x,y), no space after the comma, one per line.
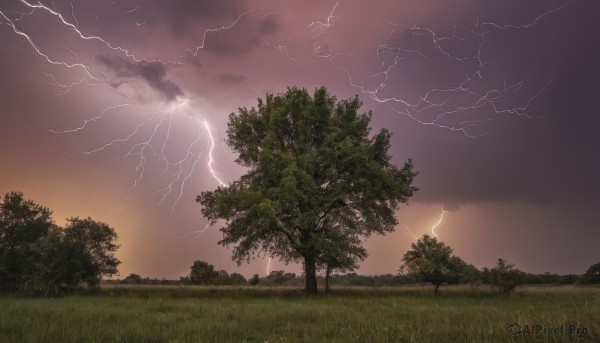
(243,37)
(270,24)
(153,73)
(546,161)
(182,16)
(451,207)
(231,78)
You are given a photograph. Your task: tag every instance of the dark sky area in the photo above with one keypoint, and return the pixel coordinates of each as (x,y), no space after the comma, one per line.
(117,110)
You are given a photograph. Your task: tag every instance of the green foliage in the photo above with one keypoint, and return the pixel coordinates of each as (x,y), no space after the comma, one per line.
(432,261)
(22,225)
(316,182)
(237,279)
(88,248)
(504,277)
(592,275)
(38,256)
(278,277)
(254,280)
(203,273)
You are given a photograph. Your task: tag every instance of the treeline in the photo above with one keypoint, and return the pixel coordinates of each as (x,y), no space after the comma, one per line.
(502,277)
(428,261)
(283,278)
(37,256)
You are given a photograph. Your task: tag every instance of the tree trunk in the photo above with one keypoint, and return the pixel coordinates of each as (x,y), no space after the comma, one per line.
(310,272)
(437,285)
(327,273)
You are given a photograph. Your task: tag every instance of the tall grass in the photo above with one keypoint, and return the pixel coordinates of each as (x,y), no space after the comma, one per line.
(262,314)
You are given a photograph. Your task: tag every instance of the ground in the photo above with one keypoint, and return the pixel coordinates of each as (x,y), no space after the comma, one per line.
(260,314)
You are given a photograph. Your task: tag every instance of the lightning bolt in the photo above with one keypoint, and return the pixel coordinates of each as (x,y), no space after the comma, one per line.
(435,226)
(210,153)
(142,150)
(410,232)
(268,270)
(444,107)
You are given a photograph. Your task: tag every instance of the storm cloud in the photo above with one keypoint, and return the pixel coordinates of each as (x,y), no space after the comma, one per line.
(153,74)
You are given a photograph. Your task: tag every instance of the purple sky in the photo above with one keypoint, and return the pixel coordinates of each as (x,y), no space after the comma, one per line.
(117,110)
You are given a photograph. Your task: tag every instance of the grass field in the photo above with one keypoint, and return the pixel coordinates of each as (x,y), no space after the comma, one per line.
(247,314)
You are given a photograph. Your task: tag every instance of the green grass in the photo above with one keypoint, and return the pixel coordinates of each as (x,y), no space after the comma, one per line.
(247,314)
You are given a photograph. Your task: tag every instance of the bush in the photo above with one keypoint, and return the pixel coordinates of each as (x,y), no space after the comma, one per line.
(504,277)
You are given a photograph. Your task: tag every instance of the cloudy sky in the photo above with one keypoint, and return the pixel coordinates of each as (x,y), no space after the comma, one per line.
(117,110)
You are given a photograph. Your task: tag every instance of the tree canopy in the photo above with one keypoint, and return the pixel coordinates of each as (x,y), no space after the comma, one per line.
(203,273)
(430,260)
(317,181)
(22,224)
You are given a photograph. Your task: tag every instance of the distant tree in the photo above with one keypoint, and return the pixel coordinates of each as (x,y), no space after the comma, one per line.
(568,279)
(254,280)
(132,279)
(531,279)
(313,166)
(22,223)
(237,279)
(185,280)
(469,274)
(431,261)
(203,273)
(592,275)
(279,277)
(38,256)
(221,278)
(504,277)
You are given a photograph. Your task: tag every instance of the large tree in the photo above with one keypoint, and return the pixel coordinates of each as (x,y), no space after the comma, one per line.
(313,169)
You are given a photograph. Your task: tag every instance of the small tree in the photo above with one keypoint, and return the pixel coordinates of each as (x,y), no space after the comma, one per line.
(504,277)
(254,280)
(592,275)
(221,278)
(203,273)
(430,261)
(237,279)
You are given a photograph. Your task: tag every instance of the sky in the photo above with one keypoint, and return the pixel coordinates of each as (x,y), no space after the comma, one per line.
(117,110)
